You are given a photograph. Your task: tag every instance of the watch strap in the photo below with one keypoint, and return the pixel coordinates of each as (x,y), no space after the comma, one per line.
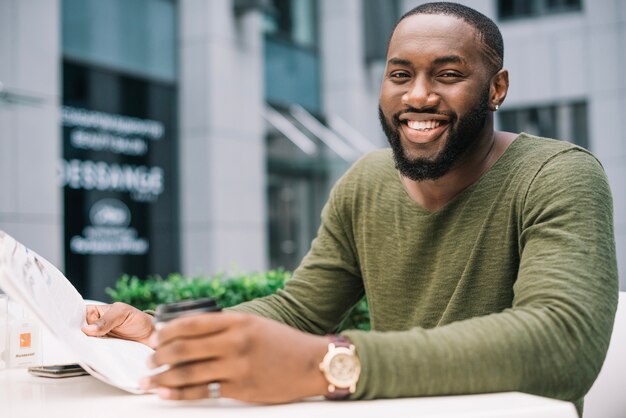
(340,341)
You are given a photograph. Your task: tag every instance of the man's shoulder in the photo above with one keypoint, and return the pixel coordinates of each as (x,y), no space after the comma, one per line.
(376,164)
(541,147)
(533,153)
(381,158)
(371,174)
(544,163)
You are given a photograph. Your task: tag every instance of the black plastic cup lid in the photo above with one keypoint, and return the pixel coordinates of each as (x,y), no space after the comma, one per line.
(169,311)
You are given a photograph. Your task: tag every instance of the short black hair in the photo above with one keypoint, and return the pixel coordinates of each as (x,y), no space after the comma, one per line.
(488,32)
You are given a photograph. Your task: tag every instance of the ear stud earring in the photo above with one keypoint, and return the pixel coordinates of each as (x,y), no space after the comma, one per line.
(497,107)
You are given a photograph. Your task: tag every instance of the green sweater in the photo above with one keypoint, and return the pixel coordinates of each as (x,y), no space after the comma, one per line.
(512,286)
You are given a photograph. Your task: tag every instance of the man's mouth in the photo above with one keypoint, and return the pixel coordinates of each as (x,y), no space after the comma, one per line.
(424,125)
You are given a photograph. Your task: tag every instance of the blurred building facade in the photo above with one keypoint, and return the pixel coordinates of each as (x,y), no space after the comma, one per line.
(152,136)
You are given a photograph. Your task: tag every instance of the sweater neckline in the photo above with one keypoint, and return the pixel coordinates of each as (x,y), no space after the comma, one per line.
(463,195)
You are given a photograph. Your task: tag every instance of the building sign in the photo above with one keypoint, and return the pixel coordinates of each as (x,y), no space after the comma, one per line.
(118,175)
(109,231)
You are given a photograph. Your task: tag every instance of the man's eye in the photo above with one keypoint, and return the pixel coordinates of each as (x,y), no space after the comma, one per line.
(450,74)
(399,75)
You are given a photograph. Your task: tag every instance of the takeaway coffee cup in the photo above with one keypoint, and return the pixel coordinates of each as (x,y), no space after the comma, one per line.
(169,311)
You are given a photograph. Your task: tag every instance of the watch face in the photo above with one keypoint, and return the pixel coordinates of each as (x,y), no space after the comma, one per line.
(343,368)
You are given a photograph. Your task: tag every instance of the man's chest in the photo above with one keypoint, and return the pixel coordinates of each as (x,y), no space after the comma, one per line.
(429,271)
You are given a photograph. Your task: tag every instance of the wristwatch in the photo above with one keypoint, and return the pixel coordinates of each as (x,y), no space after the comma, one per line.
(341,367)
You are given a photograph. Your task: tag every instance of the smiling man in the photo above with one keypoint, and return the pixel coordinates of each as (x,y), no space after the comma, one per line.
(443,80)
(487,257)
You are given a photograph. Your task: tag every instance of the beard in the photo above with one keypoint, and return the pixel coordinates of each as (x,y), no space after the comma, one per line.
(462,134)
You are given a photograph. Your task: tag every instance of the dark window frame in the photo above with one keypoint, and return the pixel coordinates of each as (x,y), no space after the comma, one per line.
(379,18)
(511,10)
(548,119)
(284,35)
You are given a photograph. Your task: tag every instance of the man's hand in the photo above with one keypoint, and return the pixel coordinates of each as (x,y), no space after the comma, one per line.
(118,320)
(254,359)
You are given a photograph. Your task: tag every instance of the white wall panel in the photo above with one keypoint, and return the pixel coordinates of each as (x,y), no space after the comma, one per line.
(29,125)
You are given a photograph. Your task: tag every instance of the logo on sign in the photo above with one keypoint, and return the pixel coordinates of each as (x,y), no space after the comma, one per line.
(25,340)
(109,232)
(110,213)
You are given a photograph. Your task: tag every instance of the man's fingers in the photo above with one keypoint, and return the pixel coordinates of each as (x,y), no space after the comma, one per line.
(188,374)
(99,328)
(197,325)
(101,319)
(92,316)
(189,350)
(183,375)
(94,312)
(92,330)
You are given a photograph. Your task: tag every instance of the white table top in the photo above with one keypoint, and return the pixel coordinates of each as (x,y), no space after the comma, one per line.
(25,396)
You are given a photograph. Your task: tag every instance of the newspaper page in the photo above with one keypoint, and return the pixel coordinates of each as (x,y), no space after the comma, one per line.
(42,289)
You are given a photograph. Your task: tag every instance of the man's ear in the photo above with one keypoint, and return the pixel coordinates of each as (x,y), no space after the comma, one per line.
(498,88)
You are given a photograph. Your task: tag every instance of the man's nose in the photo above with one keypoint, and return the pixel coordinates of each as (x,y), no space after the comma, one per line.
(420,94)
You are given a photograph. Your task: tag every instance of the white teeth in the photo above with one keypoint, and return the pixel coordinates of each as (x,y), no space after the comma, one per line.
(423,125)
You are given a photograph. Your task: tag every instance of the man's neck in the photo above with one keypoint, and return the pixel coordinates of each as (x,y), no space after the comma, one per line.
(432,195)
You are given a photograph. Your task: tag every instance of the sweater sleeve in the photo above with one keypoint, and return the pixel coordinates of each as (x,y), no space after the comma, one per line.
(553,340)
(325,286)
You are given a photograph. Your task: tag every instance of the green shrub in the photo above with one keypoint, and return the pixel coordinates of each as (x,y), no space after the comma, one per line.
(226,290)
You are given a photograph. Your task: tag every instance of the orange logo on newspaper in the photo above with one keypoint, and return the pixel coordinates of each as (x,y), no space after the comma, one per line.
(25,340)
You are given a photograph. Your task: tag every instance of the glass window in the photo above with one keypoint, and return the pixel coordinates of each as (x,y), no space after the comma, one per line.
(294,21)
(553,6)
(379,18)
(292,65)
(292,75)
(514,9)
(508,9)
(567,121)
(298,187)
(136,37)
(293,216)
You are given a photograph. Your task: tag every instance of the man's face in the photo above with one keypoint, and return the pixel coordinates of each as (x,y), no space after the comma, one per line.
(435,94)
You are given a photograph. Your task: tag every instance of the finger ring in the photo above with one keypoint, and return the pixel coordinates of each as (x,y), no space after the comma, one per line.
(215,390)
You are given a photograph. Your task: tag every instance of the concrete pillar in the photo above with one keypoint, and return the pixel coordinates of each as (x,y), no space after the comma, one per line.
(344,75)
(222,151)
(30,136)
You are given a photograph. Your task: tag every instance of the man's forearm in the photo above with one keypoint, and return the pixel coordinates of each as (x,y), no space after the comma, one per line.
(534,350)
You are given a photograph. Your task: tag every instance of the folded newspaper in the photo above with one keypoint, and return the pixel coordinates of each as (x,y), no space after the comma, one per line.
(32,281)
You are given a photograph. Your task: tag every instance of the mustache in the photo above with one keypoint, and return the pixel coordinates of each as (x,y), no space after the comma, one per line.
(430,110)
